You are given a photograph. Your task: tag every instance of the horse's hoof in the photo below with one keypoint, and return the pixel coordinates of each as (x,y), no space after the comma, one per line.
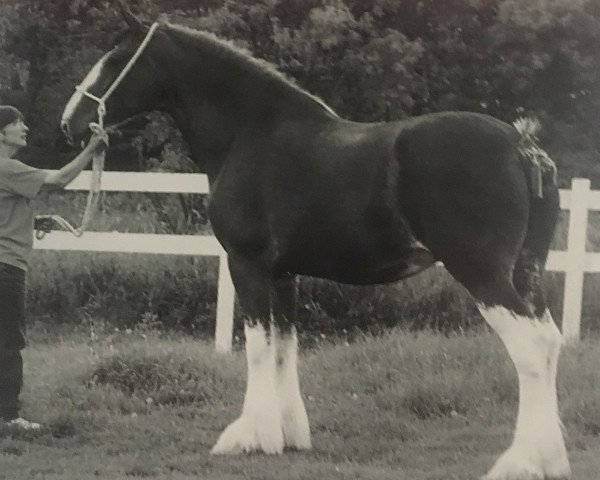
(296,431)
(516,464)
(245,435)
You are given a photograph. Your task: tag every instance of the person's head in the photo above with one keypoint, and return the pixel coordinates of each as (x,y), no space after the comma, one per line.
(13,131)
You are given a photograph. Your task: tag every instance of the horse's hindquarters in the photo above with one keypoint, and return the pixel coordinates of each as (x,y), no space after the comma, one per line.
(464,194)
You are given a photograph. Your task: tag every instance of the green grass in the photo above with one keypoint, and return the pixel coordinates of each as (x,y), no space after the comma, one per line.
(405,406)
(122,401)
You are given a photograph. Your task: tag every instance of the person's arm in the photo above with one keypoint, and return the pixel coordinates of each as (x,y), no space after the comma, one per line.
(61,178)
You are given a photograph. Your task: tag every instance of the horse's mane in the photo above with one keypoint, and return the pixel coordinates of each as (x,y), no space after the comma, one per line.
(228,50)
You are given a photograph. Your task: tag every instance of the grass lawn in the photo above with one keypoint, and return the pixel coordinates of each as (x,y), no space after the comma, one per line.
(404,406)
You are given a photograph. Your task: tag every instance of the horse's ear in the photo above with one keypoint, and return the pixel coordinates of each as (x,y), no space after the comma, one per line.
(130,18)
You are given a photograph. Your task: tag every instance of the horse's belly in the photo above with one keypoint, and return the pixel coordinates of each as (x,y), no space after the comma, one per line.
(364,267)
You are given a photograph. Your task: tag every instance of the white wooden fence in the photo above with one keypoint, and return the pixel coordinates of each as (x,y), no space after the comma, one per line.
(574,261)
(154,243)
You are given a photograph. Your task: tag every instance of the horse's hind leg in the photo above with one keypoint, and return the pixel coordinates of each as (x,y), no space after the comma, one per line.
(493,237)
(505,281)
(296,431)
(259,426)
(533,342)
(537,450)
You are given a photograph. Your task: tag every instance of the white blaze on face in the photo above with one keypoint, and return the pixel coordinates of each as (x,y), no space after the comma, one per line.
(90,79)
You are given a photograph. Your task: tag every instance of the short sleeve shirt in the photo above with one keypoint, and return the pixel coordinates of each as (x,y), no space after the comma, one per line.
(19,184)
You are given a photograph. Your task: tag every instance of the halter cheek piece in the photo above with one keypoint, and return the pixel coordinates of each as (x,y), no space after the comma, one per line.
(102,100)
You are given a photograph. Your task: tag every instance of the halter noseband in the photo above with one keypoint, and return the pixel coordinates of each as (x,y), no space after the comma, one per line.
(102,100)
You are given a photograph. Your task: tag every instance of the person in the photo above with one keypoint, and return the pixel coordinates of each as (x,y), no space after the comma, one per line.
(19,185)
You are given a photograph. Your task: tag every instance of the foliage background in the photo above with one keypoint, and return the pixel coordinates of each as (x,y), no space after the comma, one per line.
(370,60)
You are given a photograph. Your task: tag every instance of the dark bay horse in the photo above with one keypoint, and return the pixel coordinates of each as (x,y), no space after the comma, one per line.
(297,190)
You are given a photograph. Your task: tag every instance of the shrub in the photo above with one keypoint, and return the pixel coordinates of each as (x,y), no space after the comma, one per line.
(180,292)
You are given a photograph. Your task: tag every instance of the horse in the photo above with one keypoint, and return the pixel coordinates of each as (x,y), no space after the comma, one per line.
(297,190)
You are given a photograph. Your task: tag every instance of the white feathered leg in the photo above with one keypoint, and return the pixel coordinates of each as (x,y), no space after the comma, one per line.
(296,430)
(538,451)
(259,426)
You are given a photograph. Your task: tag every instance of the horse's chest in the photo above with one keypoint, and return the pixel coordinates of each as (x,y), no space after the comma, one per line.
(237,217)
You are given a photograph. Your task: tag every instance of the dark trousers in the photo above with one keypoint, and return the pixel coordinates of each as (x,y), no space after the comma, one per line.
(12,338)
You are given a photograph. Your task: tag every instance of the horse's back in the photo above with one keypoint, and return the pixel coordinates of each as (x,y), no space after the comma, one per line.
(448,136)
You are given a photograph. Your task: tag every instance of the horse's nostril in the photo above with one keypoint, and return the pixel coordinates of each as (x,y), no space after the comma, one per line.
(64,126)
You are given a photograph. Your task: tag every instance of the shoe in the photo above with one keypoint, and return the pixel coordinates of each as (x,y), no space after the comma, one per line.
(23,424)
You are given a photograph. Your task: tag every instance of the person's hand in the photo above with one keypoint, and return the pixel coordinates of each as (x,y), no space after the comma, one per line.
(43,223)
(99,139)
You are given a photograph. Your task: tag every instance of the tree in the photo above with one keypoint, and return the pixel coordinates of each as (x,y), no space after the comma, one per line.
(369,59)
(363,72)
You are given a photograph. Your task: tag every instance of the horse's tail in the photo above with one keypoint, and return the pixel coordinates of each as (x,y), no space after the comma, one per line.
(543,214)
(539,167)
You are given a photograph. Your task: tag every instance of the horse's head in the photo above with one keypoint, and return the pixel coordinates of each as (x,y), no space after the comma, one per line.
(140,90)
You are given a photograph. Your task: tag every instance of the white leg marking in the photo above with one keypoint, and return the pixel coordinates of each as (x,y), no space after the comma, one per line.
(538,450)
(296,431)
(88,81)
(259,426)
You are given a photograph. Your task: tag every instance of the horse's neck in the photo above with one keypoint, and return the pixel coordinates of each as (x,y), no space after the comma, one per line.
(210,119)
(207,129)
(208,138)
(210,127)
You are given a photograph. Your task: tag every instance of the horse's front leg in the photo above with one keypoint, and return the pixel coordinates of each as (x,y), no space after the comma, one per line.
(259,426)
(296,431)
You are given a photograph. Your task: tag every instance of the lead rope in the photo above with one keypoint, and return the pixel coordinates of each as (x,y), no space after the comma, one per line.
(93,197)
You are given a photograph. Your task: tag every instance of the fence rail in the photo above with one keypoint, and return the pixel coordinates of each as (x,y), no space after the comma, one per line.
(574,261)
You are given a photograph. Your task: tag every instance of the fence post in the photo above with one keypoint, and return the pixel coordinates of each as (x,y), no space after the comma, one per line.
(575,264)
(225,308)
